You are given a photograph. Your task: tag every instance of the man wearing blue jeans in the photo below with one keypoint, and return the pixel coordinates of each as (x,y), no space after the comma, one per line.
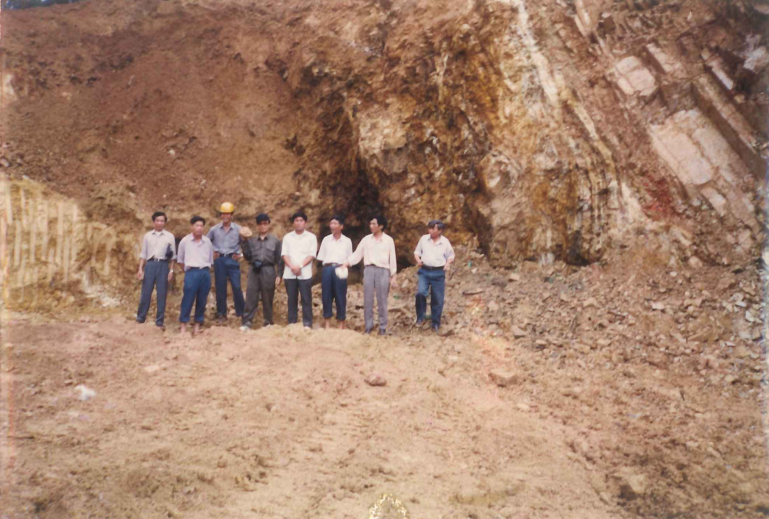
(195,256)
(334,251)
(225,237)
(434,256)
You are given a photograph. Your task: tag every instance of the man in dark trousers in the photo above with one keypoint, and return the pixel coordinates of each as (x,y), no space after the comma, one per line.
(156,267)
(299,248)
(334,251)
(262,252)
(226,239)
(196,255)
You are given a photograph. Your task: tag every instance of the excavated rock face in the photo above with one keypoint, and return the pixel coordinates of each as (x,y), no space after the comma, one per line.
(544,130)
(509,126)
(57,257)
(462,119)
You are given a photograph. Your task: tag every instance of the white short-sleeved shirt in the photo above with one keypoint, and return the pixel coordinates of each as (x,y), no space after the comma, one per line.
(434,254)
(297,247)
(335,251)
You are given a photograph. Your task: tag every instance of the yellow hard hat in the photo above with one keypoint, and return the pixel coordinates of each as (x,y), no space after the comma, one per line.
(227,207)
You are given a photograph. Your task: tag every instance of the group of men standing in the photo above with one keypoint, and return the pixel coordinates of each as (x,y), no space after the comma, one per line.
(272,261)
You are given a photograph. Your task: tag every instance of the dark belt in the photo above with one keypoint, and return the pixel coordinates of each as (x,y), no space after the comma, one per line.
(431,268)
(331,265)
(231,254)
(197,268)
(158,259)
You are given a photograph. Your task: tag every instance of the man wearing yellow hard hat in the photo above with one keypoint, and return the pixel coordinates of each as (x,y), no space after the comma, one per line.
(225,237)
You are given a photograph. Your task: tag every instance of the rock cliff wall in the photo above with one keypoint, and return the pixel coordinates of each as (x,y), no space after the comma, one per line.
(547,131)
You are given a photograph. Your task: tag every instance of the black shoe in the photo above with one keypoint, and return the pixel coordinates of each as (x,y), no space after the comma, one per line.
(436,328)
(419,322)
(161,326)
(382,332)
(221,320)
(140,322)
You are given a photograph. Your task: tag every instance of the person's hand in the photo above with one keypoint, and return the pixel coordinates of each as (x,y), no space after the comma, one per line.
(278,280)
(392,281)
(170,275)
(420,263)
(296,270)
(346,265)
(237,257)
(140,275)
(216,255)
(447,267)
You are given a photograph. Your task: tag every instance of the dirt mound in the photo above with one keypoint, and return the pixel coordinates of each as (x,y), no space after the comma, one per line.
(555,391)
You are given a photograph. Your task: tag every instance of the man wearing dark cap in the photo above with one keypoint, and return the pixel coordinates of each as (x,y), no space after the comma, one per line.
(262,252)
(434,255)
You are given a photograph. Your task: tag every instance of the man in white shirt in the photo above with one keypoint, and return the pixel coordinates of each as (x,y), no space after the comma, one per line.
(434,255)
(334,251)
(299,249)
(377,250)
(156,267)
(196,255)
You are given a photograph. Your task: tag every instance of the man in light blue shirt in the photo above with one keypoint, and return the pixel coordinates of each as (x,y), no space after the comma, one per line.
(225,237)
